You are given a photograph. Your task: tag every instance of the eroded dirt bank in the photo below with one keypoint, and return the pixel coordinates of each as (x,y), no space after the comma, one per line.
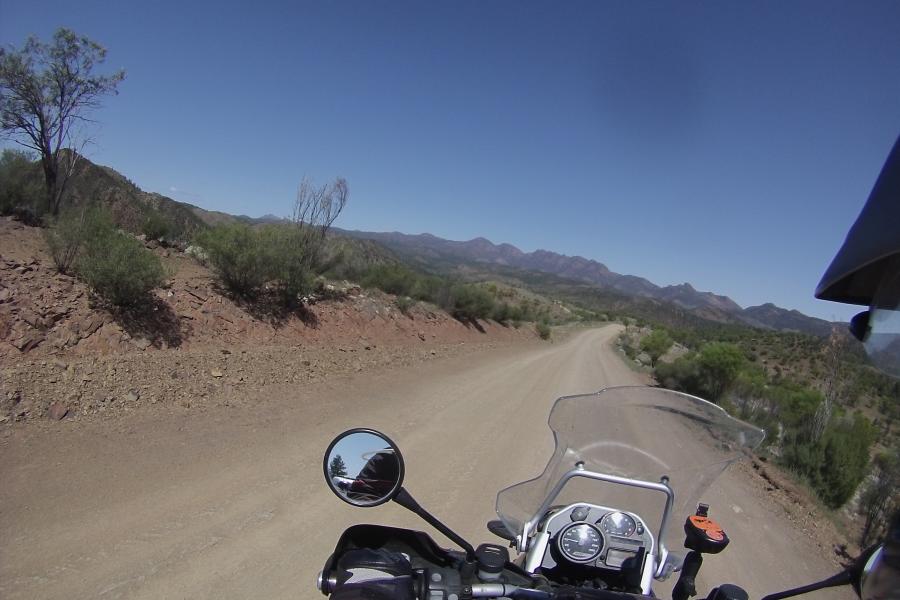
(64,356)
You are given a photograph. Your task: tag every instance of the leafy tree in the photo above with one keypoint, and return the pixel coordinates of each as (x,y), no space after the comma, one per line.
(683,375)
(337,467)
(719,363)
(846,459)
(656,344)
(46,91)
(880,498)
(796,405)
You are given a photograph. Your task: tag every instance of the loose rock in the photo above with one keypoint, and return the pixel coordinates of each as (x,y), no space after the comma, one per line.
(58,411)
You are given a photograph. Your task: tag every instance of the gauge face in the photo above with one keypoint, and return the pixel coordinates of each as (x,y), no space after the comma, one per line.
(618,523)
(580,542)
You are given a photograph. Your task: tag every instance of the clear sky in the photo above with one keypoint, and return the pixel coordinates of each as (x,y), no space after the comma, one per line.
(727,144)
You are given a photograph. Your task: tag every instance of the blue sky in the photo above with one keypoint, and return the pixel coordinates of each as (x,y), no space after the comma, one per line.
(726,144)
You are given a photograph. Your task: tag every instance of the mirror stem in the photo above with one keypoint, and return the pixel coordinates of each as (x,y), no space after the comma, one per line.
(404,499)
(842,578)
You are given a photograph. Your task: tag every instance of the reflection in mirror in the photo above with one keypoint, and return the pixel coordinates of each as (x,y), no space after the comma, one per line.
(363,467)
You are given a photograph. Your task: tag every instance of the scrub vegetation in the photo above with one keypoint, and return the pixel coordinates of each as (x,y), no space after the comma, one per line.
(85,242)
(831,418)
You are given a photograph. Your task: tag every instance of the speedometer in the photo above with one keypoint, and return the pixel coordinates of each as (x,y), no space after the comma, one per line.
(618,523)
(580,542)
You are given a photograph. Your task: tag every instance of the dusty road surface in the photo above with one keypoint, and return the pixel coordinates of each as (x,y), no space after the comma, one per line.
(231,503)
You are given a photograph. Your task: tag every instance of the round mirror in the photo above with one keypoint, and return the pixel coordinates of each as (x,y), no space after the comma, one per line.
(363,467)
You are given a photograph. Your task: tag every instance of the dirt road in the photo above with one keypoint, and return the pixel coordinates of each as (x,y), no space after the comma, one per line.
(231,503)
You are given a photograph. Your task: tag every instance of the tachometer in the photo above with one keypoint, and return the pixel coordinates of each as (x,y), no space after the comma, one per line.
(580,542)
(618,523)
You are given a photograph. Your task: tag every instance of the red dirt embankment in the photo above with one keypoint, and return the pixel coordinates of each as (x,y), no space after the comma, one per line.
(64,356)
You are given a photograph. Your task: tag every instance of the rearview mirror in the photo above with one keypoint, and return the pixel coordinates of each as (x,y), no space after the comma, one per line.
(363,467)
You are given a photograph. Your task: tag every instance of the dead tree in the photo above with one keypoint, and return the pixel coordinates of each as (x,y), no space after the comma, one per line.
(315,210)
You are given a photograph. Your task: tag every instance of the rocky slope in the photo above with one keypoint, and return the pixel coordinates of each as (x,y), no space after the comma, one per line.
(132,206)
(63,354)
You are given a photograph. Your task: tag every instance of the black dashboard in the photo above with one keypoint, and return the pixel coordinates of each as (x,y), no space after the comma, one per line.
(595,536)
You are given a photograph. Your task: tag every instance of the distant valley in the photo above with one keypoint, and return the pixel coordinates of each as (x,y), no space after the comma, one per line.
(428,249)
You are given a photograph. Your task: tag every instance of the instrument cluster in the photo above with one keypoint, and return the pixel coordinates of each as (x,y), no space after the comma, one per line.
(595,536)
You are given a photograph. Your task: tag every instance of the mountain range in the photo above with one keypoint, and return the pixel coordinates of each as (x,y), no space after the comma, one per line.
(429,248)
(130,203)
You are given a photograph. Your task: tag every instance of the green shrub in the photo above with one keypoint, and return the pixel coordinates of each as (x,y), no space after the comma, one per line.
(683,375)
(432,289)
(288,261)
(522,312)
(543,330)
(393,279)
(502,313)
(470,302)
(237,256)
(244,258)
(21,192)
(405,304)
(719,363)
(156,226)
(72,230)
(656,344)
(118,267)
(836,464)
(879,499)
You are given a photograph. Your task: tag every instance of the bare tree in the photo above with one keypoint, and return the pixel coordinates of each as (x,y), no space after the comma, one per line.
(834,386)
(297,248)
(315,210)
(46,91)
(318,207)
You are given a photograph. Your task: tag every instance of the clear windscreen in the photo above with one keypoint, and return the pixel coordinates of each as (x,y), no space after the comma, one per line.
(637,433)
(883,340)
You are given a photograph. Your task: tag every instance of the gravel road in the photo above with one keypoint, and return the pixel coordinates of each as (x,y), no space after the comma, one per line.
(231,502)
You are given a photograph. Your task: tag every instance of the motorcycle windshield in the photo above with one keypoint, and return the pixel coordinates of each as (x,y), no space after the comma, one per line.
(638,433)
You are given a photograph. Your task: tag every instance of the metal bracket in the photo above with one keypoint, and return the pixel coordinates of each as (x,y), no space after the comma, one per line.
(579,471)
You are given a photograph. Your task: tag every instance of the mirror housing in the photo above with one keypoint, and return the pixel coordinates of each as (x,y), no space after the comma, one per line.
(363,467)
(859,325)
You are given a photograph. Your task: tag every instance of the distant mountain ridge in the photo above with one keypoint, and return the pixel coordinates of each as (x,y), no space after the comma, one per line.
(709,305)
(130,204)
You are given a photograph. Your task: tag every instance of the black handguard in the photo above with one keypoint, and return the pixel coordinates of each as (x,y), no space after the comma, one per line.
(367,574)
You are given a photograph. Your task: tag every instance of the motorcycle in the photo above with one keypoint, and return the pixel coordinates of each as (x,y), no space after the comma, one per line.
(595,524)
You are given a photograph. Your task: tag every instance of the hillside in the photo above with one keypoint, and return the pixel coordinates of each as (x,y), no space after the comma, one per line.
(131,206)
(53,335)
(788,320)
(439,253)
(479,259)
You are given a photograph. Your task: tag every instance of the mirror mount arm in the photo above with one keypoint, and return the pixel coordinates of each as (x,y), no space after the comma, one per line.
(842,578)
(852,575)
(405,499)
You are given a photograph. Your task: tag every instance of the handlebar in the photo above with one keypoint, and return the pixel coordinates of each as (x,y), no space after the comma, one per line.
(501,590)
